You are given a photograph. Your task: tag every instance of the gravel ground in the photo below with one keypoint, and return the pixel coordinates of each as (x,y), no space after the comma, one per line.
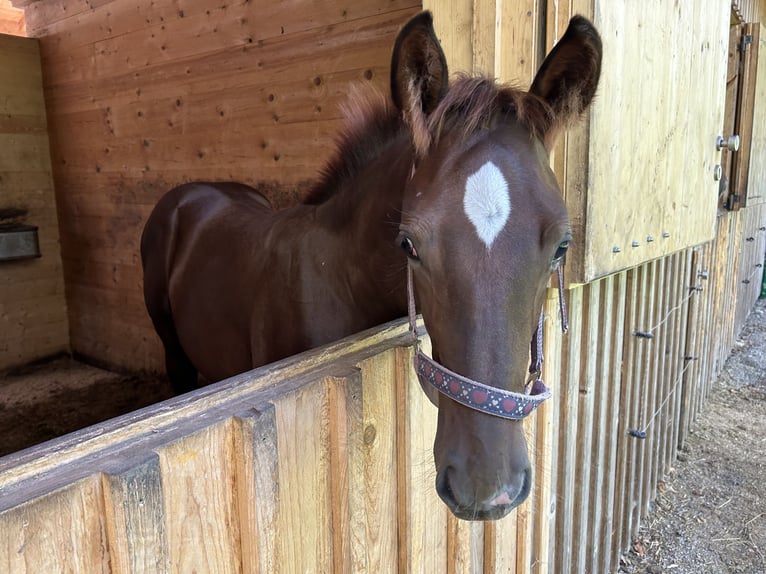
(710,511)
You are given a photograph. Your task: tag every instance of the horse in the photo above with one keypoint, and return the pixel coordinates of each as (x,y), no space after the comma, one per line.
(449,181)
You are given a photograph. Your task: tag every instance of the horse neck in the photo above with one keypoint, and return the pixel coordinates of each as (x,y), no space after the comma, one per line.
(364,215)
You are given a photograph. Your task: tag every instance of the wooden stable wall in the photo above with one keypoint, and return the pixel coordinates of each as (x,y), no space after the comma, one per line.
(322,462)
(33,319)
(145,95)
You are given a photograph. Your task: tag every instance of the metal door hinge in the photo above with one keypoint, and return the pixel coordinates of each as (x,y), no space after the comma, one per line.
(746,40)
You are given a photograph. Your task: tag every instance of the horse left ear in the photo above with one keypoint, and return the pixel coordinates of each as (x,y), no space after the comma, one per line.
(419,76)
(568,78)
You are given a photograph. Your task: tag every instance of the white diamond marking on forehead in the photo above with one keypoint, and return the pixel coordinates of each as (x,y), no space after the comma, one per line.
(487,202)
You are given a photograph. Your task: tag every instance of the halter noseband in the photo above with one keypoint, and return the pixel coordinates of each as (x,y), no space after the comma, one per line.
(435,378)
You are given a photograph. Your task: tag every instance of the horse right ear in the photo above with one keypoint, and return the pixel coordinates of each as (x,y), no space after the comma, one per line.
(419,77)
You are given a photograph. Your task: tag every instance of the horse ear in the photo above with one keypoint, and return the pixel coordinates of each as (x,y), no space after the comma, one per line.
(568,77)
(419,76)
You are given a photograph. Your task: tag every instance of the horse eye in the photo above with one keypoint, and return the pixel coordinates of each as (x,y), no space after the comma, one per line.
(408,247)
(561,251)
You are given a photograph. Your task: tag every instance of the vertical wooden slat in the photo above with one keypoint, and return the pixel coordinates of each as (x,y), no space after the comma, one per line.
(603,385)
(586,384)
(257,463)
(381,420)
(615,433)
(525,512)
(465,546)
(500,541)
(422,515)
(135,519)
(647,395)
(625,446)
(655,382)
(304,526)
(567,461)
(62,531)
(635,410)
(547,418)
(201,516)
(690,350)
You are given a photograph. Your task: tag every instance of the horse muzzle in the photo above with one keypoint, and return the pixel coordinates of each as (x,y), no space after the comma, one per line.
(495,507)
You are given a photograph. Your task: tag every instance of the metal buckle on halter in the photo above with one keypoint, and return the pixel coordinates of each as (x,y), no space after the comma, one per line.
(435,378)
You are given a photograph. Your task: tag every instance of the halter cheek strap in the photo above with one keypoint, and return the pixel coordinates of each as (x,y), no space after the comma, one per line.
(435,378)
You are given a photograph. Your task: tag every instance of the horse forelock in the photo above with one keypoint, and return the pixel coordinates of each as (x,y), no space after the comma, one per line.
(471,104)
(475,103)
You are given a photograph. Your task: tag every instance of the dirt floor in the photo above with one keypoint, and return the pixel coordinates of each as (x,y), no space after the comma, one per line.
(51,398)
(710,512)
(709,515)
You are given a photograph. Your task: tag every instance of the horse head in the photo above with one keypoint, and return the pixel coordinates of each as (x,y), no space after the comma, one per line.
(483,225)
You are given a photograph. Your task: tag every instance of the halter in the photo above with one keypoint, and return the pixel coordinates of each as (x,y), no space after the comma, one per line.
(435,378)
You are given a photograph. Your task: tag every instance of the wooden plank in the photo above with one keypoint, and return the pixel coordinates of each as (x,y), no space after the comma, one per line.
(648,396)
(525,513)
(517,44)
(61,533)
(569,423)
(304,531)
(631,404)
(546,449)
(671,64)
(257,487)
(602,437)
(615,429)
(500,541)
(422,516)
(465,546)
(135,522)
(691,348)
(590,349)
(201,517)
(654,381)
(379,465)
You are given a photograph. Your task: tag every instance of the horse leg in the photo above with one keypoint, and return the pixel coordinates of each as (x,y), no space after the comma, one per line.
(156,244)
(180,370)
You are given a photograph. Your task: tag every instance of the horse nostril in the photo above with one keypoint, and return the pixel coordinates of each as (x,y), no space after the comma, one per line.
(444,490)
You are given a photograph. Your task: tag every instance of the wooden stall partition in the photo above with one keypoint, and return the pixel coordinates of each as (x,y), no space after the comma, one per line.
(33,317)
(145,95)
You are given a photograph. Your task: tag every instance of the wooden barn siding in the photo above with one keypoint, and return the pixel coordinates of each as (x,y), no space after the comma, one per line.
(33,318)
(145,95)
(323,462)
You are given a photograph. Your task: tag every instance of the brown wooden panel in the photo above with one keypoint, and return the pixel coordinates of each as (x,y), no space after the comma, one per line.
(60,533)
(144,96)
(33,321)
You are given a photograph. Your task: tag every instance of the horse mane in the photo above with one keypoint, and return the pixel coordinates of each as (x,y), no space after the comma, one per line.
(472,104)
(371,121)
